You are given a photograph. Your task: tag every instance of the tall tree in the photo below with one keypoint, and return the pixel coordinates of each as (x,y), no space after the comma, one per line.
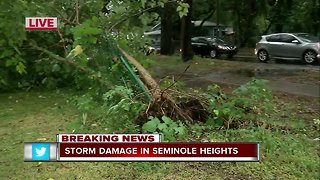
(246,14)
(186,26)
(166,14)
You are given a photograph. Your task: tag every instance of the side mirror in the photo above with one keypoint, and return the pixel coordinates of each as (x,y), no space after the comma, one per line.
(295,41)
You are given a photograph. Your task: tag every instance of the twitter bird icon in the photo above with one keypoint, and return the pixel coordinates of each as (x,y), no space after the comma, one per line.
(40,152)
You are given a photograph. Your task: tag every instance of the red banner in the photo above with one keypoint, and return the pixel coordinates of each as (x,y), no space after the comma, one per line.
(159,152)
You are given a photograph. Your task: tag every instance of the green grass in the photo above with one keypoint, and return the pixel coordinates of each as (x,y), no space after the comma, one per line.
(38,116)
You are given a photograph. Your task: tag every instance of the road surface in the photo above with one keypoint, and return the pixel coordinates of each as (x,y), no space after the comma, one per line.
(293,78)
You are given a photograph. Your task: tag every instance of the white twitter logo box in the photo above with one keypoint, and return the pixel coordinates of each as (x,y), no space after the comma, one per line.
(40,152)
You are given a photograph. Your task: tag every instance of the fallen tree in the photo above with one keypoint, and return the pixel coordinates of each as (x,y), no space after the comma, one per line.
(163,103)
(212,107)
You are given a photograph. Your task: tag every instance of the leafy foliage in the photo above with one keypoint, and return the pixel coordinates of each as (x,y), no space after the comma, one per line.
(246,105)
(183,9)
(113,111)
(171,83)
(118,102)
(12,36)
(170,129)
(84,33)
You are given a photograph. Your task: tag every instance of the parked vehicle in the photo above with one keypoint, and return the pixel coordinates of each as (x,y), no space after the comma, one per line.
(288,46)
(212,47)
(200,28)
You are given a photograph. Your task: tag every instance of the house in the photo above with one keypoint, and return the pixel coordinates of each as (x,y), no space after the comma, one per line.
(206,29)
(210,29)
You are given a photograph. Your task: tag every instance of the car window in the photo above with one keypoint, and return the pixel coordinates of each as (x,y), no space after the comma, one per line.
(202,40)
(156,27)
(273,38)
(199,40)
(219,41)
(287,38)
(307,37)
(196,39)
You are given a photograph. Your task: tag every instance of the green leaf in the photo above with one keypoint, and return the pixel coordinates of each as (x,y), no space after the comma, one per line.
(181,131)
(2,81)
(17,50)
(210,122)
(166,120)
(216,112)
(10,62)
(151,126)
(126,107)
(161,4)
(162,126)
(92,40)
(6,53)
(185,5)
(21,68)
(56,68)
(179,8)
(218,122)
(181,14)
(94,19)
(143,3)
(173,125)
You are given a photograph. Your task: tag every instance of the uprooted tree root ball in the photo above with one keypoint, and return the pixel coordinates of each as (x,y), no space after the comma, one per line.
(190,110)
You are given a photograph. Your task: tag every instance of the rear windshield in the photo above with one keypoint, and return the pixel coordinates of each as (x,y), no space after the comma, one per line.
(307,38)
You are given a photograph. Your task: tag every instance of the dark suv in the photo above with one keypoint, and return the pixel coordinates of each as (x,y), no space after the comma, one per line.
(288,46)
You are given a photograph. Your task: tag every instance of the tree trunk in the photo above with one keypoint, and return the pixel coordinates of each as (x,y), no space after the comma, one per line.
(314,14)
(167,47)
(218,18)
(186,26)
(159,97)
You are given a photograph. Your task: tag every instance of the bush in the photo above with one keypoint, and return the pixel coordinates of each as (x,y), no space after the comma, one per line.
(170,129)
(246,105)
(114,111)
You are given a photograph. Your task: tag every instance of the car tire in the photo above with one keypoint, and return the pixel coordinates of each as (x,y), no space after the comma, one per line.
(213,53)
(263,56)
(309,57)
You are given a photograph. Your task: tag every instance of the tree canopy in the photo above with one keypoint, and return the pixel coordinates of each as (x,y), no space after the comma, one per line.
(88,23)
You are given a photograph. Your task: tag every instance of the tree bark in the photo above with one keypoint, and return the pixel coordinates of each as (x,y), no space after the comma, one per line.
(167,47)
(186,25)
(159,96)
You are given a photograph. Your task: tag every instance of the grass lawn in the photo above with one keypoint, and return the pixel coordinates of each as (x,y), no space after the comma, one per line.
(38,116)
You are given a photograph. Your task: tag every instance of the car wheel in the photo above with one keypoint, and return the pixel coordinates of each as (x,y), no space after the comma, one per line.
(213,53)
(263,56)
(309,57)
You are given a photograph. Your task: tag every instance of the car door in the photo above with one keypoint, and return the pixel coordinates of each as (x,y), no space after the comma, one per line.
(199,45)
(195,45)
(273,44)
(290,47)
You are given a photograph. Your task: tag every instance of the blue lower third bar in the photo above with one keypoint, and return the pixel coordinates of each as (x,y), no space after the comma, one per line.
(40,152)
